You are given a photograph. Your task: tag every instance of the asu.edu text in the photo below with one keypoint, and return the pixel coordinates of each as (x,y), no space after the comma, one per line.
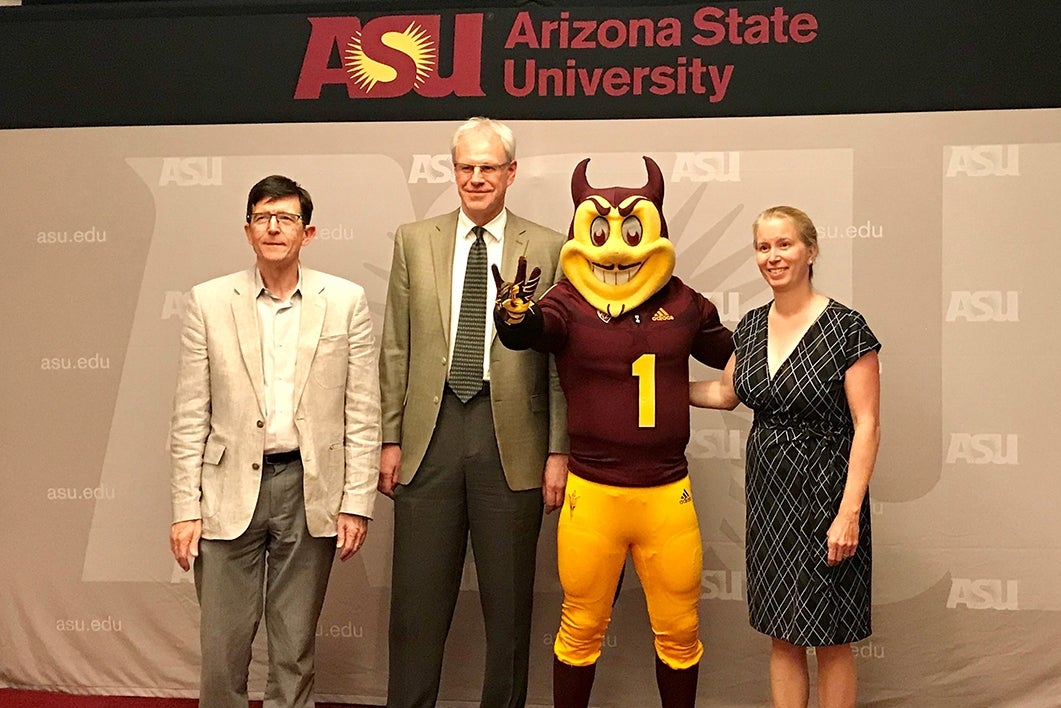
(79,493)
(92,362)
(107,624)
(89,235)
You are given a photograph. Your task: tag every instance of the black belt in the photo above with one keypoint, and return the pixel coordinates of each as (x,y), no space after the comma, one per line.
(282,458)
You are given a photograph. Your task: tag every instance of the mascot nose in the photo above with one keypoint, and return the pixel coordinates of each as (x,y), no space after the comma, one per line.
(613,250)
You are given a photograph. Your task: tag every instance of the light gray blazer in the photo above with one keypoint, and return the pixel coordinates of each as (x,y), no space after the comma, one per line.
(217,434)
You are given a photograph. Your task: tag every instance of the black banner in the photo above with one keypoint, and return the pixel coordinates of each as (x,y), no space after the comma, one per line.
(158,63)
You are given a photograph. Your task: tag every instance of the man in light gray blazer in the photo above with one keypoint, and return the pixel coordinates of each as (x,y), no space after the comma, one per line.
(275,449)
(481,462)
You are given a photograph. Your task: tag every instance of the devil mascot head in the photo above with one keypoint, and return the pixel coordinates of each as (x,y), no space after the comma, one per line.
(617,254)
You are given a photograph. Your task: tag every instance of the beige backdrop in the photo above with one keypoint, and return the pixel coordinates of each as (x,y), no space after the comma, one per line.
(938,227)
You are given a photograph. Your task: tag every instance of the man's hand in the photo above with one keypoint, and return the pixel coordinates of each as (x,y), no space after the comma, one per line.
(352,530)
(184,541)
(514,299)
(390,459)
(554,481)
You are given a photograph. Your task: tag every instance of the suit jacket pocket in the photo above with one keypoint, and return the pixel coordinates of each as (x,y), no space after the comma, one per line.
(213,481)
(328,369)
(213,452)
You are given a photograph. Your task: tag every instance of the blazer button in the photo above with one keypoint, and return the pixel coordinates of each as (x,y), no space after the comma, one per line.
(436,400)
(255,466)
(260,423)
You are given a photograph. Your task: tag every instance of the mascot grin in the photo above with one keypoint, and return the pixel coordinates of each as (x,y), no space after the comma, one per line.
(617,254)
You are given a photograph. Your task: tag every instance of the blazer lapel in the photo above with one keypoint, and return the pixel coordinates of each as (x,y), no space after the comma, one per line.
(245,317)
(442,247)
(514,246)
(311,322)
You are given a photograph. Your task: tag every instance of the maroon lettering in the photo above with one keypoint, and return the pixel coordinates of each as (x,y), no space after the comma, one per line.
(373,67)
(717,26)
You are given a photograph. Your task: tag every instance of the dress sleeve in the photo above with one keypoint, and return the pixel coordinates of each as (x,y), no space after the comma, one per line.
(739,332)
(860,339)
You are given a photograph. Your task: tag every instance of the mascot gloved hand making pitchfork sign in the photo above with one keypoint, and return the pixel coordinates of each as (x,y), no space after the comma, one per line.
(622,328)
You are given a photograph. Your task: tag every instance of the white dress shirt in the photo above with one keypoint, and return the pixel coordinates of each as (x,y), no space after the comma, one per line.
(278,322)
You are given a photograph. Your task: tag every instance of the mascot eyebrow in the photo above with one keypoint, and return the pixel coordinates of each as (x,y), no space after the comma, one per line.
(652,191)
(603,207)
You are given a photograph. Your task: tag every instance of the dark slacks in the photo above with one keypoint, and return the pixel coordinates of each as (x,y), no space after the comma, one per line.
(275,564)
(460,488)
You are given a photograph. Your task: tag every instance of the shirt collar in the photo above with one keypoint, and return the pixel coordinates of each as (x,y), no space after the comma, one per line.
(495,227)
(259,284)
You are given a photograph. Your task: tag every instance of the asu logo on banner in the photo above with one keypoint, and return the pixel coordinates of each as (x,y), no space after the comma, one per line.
(983,594)
(387,57)
(723,585)
(984,306)
(984,161)
(190,171)
(983,449)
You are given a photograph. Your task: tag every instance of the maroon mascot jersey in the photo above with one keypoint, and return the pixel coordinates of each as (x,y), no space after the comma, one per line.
(626,379)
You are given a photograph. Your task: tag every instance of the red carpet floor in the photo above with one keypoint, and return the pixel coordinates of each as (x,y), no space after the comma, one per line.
(11,698)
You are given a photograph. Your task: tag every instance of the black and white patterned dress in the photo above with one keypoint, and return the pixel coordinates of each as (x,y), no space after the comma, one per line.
(797,459)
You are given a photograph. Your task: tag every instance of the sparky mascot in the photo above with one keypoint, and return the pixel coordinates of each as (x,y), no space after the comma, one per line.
(622,328)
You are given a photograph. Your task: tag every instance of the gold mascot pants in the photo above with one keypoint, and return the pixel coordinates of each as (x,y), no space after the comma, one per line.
(658,525)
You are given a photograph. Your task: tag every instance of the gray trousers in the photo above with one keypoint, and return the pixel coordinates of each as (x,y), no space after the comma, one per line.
(276,565)
(459,488)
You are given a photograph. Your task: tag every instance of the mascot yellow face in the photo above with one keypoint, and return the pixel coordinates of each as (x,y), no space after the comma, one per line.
(617,253)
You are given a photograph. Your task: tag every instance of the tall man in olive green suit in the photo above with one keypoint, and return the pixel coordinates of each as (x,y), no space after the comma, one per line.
(458,457)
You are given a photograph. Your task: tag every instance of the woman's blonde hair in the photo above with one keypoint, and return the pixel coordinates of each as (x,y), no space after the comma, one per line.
(805,229)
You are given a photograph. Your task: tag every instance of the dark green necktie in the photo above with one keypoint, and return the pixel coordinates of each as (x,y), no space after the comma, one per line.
(466,369)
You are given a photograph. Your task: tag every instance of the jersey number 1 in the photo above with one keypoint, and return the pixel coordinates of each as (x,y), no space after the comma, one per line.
(644,368)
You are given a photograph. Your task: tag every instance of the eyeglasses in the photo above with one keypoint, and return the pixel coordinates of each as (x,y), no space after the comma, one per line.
(264,218)
(485,170)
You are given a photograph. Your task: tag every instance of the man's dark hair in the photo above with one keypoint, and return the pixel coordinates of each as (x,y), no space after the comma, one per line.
(277,187)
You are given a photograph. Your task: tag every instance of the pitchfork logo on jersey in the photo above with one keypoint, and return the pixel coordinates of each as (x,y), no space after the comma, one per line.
(390,56)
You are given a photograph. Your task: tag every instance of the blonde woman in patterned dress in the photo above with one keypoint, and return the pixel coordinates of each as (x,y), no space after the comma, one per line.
(807,365)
